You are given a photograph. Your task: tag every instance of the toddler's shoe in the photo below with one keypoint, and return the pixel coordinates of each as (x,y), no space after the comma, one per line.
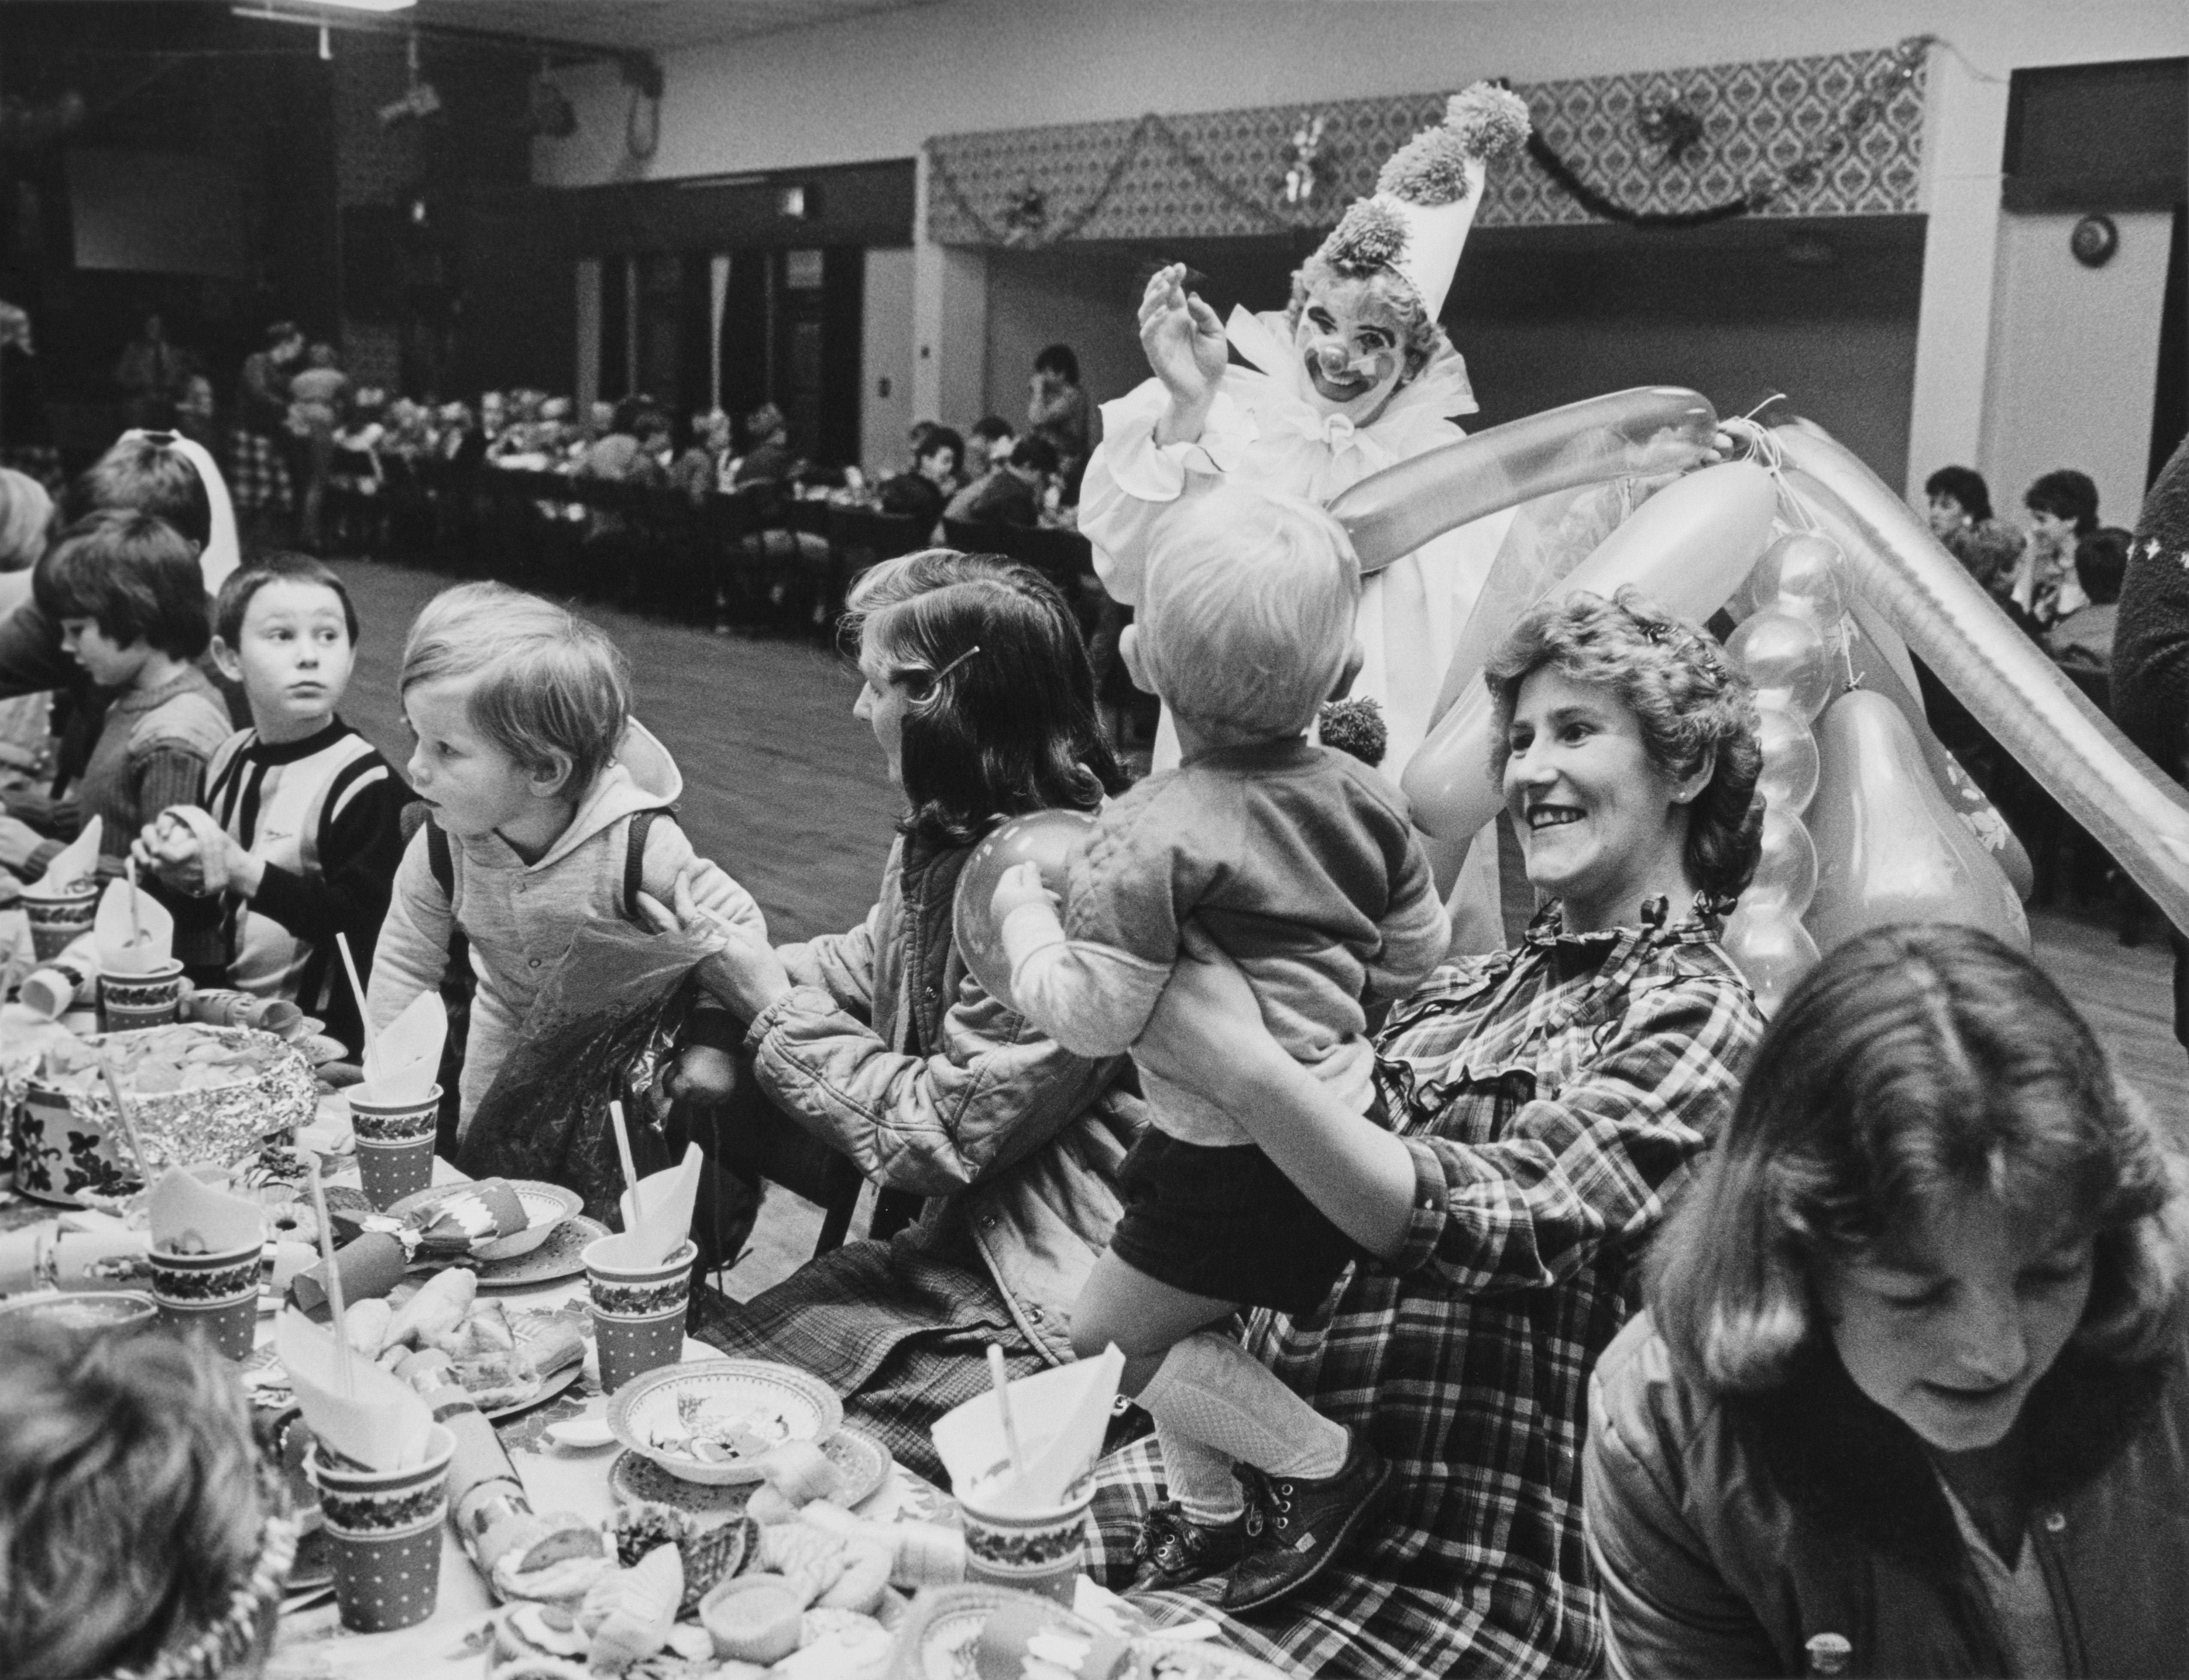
(1174,1550)
(1295,1526)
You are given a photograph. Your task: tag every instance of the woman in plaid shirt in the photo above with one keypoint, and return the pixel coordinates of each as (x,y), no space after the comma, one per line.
(1545,1103)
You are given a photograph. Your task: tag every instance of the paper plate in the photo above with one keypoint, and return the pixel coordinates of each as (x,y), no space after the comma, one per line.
(653,1414)
(562,1255)
(636,1479)
(265,1381)
(940,1640)
(545,1207)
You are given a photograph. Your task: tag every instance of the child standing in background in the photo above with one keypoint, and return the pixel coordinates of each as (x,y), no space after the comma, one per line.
(1301,864)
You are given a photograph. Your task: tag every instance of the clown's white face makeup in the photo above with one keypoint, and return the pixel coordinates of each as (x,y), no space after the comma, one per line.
(1352,344)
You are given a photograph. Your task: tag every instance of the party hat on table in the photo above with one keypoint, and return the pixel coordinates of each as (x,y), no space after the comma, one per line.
(354,1407)
(1060,1417)
(1416,223)
(403,1060)
(657,1216)
(132,932)
(188,1216)
(75,864)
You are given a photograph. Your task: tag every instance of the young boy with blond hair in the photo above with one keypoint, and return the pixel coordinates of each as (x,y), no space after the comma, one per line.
(1300,863)
(531,765)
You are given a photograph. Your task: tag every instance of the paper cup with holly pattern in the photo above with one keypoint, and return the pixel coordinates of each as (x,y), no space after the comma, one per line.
(395,1146)
(153,998)
(638,1311)
(215,1295)
(58,919)
(1039,1551)
(383,1531)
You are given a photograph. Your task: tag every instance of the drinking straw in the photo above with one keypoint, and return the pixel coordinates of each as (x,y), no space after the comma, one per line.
(357,990)
(334,1277)
(629,1171)
(129,1121)
(136,927)
(1003,1405)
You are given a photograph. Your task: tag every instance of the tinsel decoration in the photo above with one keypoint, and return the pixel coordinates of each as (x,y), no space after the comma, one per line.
(1671,126)
(1306,148)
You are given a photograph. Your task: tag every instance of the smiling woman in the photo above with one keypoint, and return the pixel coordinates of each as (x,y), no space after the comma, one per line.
(1911,1384)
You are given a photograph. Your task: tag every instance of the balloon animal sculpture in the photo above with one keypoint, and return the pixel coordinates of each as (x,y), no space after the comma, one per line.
(1832,582)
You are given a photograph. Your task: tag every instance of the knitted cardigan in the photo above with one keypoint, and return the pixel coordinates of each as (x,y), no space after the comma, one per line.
(2151,641)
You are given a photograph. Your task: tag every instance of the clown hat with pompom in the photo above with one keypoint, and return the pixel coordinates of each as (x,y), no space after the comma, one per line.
(1416,223)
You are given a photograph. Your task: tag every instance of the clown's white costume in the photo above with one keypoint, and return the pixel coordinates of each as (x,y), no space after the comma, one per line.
(1267,423)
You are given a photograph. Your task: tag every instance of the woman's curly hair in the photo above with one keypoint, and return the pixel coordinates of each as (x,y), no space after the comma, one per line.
(1692,705)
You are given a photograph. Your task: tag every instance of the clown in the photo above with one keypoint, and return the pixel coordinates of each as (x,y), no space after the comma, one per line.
(1354,375)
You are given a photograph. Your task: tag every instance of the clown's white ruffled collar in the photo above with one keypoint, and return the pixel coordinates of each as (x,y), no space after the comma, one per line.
(1273,384)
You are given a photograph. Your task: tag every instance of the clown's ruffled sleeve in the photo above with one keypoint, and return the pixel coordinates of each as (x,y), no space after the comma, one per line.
(1131,478)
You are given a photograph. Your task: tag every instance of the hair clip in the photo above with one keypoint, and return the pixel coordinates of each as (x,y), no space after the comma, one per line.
(936,681)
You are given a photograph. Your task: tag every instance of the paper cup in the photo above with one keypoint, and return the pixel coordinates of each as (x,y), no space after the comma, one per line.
(152,998)
(215,1295)
(395,1146)
(383,1531)
(1041,1552)
(638,1312)
(58,919)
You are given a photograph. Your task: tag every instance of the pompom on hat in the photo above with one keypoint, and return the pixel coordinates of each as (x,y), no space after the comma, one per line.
(1416,223)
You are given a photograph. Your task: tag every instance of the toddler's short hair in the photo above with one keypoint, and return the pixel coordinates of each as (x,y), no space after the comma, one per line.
(1247,616)
(548,683)
(276,566)
(131,574)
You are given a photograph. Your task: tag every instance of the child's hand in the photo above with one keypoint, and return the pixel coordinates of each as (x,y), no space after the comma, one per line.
(704,1075)
(1021,885)
(1183,339)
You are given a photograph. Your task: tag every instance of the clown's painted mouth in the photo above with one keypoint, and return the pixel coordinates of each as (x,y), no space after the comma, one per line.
(1342,389)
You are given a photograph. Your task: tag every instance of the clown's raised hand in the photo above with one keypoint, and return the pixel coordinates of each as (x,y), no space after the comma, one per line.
(1186,348)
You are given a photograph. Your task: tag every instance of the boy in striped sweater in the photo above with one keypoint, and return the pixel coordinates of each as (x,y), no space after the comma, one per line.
(298,829)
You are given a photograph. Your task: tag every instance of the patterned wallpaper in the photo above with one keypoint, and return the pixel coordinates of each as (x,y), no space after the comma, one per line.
(1221,173)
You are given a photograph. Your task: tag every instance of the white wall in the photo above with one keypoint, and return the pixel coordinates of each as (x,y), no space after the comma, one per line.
(2076,365)
(886,359)
(878,85)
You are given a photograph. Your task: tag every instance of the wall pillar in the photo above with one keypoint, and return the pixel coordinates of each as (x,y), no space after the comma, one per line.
(950,325)
(1964,138)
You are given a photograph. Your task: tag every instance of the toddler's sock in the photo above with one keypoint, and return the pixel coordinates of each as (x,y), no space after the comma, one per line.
(1200,1478)
(1210,1387)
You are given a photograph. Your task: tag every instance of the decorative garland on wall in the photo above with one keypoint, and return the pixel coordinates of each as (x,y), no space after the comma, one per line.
(1677,130)
(1853,112)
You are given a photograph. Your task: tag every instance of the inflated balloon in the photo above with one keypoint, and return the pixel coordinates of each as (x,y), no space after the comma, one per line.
(1788,777)
(1824,511)
(1799,574)
(1770,948)
(1651,429)
(1787,660)
(1688,547)
(1046,837)
(1889,848)
(1786,869)
(1874,670)
(2005,679)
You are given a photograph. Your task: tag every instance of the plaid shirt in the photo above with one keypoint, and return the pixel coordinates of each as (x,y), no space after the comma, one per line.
(1552,1096)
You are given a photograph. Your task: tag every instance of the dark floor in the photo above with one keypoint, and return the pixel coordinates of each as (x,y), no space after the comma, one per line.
(784,789)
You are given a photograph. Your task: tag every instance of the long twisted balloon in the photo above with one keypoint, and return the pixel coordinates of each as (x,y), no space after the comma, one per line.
(2009,686)
(1650,429)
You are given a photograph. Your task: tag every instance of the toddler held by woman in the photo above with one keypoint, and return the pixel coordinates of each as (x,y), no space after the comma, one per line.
(1301,864)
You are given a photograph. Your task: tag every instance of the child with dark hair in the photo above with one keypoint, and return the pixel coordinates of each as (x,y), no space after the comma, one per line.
(299,831)
(992,437)
(129,597)
(1012,492)
(1960,517)
(1057,408)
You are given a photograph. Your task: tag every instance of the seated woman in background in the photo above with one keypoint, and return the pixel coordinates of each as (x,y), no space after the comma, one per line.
(2082,640)
(142,1532)
(2063,510)
(1545,1103)
(1909,1396)
(1960,518)
(879,1043)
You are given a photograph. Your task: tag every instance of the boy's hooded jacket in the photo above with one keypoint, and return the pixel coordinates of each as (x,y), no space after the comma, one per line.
(521,918)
